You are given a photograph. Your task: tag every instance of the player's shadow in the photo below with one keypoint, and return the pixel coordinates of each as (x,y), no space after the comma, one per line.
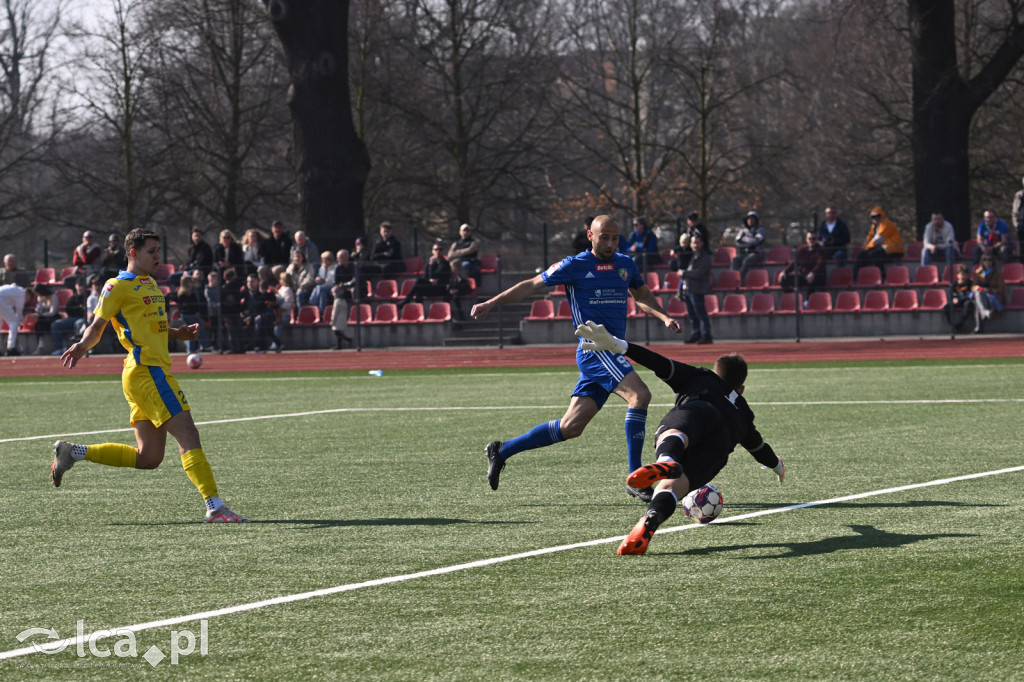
(865,537)
(310,524)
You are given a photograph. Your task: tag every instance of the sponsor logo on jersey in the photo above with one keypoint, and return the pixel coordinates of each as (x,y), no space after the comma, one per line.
(554,268)
(590,275)
(147,300)
(605,267)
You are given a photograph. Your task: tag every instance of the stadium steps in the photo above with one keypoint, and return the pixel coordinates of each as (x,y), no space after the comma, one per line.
(487,332)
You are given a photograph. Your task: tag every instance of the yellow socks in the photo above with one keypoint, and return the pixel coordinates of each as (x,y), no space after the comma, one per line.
(199,472)
(111,454)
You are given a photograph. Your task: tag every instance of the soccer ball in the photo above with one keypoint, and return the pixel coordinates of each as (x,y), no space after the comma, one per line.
(704,504)
(194,360)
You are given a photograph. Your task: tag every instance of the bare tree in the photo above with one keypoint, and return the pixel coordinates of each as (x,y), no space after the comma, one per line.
(29,34)
(217,81)
(331,161)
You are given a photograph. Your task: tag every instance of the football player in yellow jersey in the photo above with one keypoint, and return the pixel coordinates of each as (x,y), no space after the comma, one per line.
(134,304)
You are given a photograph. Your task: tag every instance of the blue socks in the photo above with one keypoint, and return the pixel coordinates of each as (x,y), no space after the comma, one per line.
(539,436)
(636,425)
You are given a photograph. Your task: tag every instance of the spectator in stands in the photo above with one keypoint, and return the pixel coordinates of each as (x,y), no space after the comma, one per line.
(324,282)
(228,253)
(47,312)
(257,323)
(286,298)
(681,255)
(192,307)
(278,248)
(255,248)
(834,236)
(272,315)
(339,315)
(435,280)
(212,295)
(88,256)
(303,275)
(463,255)
(581,242)
(749,244)
(304,244)
(989,290)
(114,259)
(387,251)
(11,274)
(642,245)
(361,262)
(74,322)
(1017,217)
(939,241)
(345,269)
(231,312)
(960,307)
(808,271)
(994,238)
(696,282)
(883,242)
(13,298)
(200,254)
(266,275)
(95,285)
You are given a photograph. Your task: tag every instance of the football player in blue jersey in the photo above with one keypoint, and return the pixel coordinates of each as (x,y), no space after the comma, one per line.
(597,285)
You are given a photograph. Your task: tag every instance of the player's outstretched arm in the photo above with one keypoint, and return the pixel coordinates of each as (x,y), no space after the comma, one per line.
(514,294)
(187,332)
(650,304)
(596,337)
(93,334)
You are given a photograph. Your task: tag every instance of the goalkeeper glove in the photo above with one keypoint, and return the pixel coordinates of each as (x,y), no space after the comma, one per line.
(596,337)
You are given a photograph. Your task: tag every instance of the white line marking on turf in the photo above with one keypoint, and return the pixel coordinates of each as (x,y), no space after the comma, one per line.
(302,596)
(465,408)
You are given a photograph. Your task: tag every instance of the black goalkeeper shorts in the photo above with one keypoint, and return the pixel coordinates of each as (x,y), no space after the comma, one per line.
(709,440)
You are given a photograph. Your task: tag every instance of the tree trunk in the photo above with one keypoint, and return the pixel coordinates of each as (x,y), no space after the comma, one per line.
(331,161)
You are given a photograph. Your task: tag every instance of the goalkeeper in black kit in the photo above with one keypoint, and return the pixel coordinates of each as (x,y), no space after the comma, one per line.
(694,439)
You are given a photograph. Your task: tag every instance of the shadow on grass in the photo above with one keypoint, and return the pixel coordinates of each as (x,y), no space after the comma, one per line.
(338,523)
(865,537)
(911,504)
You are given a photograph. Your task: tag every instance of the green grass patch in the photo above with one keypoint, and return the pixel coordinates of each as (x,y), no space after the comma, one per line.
(352,478)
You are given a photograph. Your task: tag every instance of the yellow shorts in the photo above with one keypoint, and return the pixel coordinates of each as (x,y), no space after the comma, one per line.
(152,394)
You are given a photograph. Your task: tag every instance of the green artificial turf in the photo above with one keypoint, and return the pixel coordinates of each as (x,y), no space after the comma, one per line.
(351,478)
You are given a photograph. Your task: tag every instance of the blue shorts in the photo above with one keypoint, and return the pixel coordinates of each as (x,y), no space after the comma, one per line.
(600,373)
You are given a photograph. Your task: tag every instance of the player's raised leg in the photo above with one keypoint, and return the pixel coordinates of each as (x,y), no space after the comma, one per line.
(662,506)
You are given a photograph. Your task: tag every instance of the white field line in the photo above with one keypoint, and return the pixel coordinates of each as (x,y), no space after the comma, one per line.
(457,408)
(302,596)
(336,411)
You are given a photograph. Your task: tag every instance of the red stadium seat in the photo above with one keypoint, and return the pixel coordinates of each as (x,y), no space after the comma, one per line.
(905,299)
(671,281)
(307,315)
(757,279)
(897,276)
(875,301)
(926,276)
(163,272)
(406,288)
(723,256)
(542,309)
(728,280)
(63,295)
(387,289)
(967,252)
(840,278)
(847,302)
(734,304)
(413,265)
(363,312)
(386,313)
(676,308)
(28,323)
(819,302)
(934,299)
(652,281)
(46,276)
(1013,273)
(412,312)
(711,303)
(787,304)
(326,315)
(869,277)
(69,271)
(778,254)
(1016,301)
(488,263)
(763,304)
(913,252)
(440,311)
(559,290)
(564,311)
